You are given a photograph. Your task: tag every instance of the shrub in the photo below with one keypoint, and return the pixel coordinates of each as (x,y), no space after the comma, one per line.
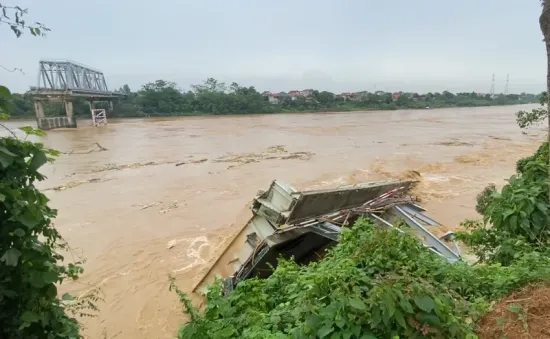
(30,265)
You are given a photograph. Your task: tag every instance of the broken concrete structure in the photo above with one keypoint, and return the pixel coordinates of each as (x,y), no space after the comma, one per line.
(302,225)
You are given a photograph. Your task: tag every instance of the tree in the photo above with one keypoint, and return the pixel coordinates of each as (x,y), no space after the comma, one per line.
(159,85)
(403,100)
(161,97)
(535,116)
(325,98)
(448,95)
(210,85)
(544,22)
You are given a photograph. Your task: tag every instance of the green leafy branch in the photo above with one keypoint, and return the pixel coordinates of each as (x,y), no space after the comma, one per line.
(14,17)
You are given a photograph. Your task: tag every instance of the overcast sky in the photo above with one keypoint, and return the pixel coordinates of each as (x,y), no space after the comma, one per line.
(336,45)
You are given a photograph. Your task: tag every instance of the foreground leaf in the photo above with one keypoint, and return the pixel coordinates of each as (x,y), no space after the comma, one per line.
(11,257)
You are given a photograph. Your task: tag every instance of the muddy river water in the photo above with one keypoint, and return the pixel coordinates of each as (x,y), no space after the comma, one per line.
(166,193)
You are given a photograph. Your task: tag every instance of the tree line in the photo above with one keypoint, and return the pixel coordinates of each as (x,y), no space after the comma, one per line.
(164,98)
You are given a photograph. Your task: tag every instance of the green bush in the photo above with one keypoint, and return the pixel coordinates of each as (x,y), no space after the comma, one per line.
(30,263)
(373,284)
(540,156)
(515,220)
(30,266)
(366,287)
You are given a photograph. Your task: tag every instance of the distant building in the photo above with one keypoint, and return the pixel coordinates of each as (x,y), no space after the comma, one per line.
(272,98)
(306,93)
(294,94)
(348,95)
(396,95)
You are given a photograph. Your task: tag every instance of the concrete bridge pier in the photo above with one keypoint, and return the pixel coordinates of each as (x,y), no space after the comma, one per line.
(39,109)
(69,109)
(45,123)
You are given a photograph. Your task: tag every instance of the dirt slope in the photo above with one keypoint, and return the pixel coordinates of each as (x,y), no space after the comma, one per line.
(523,314)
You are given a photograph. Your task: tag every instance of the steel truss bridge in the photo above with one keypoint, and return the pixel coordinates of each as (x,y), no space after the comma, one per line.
(63,78)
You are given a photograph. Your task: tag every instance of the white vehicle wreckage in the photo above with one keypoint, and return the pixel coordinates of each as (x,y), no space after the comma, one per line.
(302,225)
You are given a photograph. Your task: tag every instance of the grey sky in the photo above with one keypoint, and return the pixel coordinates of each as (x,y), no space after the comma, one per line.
(337,45)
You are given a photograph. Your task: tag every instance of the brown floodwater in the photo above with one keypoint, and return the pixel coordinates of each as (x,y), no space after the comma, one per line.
(166,192)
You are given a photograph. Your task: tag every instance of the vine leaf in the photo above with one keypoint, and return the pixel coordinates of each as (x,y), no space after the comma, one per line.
(28,220)
(39,158)
(11,257)
(5,159)
(19,232)
(29,317)
(325,330)
(32,131)
(515,308)
(67,297)
(357,304)
(36,279)
(425,303)
(50,277)
(4,91)
(7,156)
(400,319)
(226,332)
(7,152)
(390,306)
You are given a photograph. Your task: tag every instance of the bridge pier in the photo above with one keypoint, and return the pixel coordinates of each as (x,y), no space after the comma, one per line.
(69,109)
(39,109)
(43,122)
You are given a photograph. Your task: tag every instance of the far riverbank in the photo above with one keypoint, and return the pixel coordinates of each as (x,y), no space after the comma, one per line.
(142,115)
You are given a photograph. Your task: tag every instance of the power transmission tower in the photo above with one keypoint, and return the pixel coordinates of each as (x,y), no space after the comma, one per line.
(492,91)
(507,84)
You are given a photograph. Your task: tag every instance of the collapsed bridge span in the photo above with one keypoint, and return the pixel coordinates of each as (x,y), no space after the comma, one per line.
(303,224)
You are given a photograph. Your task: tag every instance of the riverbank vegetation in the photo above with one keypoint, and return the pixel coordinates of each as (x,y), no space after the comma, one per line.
(163,98)
(31,263)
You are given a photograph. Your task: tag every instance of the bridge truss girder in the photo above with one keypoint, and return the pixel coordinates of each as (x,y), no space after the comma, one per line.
(68,75)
